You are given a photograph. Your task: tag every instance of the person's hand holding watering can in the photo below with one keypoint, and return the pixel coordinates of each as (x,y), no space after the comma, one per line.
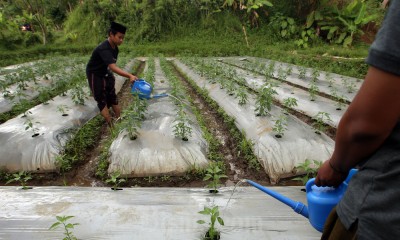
(132,78)
(329,175)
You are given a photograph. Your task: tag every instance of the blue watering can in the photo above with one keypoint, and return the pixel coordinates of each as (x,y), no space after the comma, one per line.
(144,89)
(321,200)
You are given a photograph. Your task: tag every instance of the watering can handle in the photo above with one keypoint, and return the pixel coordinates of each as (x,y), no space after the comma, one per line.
(311,182)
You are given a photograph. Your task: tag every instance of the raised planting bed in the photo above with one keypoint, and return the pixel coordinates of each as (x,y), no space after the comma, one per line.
(278,156)
(153,149)
(30,88)
(32,141)
(307,102)
(150,213)
(330,84)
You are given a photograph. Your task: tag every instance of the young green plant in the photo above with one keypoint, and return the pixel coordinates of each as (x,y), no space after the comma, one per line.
(29,125)
(241,94)
(264,100)
(321,120)
(313,91)
(63,220)
(280,126)
(289,103)
(214,173)
(309,170)
(63,109)
(182,128)
(213,213)
(115,180)
(22,177)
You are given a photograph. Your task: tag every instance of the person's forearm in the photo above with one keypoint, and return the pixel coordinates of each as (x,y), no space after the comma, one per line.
(119,71)
(354,142)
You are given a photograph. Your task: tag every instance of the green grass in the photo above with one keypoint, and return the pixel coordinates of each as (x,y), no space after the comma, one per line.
(209,42)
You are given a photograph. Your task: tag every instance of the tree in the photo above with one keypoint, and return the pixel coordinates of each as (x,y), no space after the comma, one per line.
(37,9)
(248,11)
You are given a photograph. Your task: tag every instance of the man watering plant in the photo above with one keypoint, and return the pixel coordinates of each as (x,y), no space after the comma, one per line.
(99,72)
(368,135)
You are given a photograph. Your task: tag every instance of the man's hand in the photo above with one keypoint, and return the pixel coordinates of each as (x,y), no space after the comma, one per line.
(327,176)
(132,78)
(122,73)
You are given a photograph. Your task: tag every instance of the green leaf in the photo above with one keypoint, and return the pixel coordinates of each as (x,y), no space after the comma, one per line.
(318,15)
(9,181)
(213,218)
(347,42)
(201,222)
(220,221)
(310,19)
(284,24)
(293,28)
(369,19)
(361,14)
(341,37)
(351,6)
(331,32)
(207,177)
(54,225)
(283,33)
(269,4)
(69,225)
(290,21)
(67,217)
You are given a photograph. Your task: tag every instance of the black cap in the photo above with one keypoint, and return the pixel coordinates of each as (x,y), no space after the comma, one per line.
(118,27)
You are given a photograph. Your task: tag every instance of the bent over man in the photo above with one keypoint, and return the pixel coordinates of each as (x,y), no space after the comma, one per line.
(99,72)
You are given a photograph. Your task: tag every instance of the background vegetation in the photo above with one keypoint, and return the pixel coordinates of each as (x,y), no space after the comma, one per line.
(329,35)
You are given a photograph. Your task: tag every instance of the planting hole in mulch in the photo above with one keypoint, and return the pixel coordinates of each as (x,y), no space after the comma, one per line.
(65,114)
(216,237)
(35,135)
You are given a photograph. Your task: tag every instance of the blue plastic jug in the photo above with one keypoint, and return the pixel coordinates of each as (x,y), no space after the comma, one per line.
(142,88)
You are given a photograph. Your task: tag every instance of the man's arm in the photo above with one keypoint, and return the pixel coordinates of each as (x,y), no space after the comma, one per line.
(365,125)
(113,67)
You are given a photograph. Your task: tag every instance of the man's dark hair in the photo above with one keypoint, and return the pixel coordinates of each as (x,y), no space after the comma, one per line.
(111,31)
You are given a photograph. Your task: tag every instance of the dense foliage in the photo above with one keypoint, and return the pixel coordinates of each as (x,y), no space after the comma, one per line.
(149,20)
(302,31)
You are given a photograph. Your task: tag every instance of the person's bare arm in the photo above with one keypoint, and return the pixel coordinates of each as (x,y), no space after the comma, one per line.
(365,125)
(113,67)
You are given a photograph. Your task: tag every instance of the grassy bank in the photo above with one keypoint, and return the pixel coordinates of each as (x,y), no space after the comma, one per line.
(323,56)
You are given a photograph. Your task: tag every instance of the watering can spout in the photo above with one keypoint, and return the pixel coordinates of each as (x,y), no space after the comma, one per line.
(298,207)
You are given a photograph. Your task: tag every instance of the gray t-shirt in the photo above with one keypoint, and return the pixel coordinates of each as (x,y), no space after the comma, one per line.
(373,196)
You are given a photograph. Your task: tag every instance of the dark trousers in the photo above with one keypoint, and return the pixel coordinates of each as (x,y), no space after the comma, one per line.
(335,230)
(103,90)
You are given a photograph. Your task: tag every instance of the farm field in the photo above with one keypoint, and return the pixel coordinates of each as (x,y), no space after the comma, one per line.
(248,116)
(219,121)
(234,110)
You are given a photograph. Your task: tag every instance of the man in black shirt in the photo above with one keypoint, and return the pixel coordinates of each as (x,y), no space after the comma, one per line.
(99,72)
